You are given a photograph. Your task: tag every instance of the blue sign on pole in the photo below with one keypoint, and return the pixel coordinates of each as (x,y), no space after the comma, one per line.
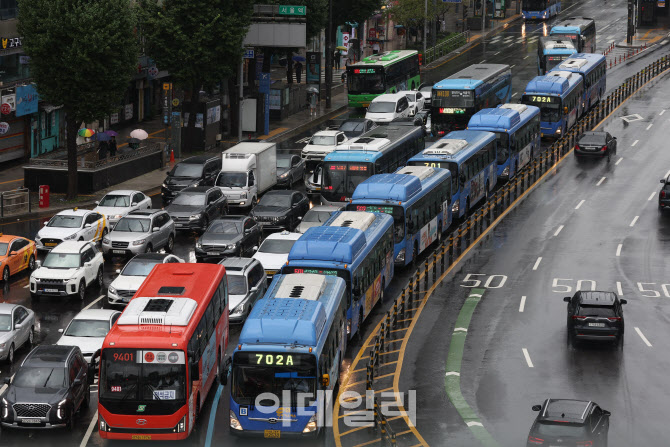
(249,53)
(264,83)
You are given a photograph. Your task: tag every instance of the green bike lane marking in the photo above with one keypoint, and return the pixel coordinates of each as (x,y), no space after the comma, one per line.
(452,379)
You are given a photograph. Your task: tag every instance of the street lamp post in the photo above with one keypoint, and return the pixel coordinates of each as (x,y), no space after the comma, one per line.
(329,54)
(425,28)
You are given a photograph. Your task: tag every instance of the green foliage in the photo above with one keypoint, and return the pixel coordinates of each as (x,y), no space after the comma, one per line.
(82,52)
(355,10)
(413,12)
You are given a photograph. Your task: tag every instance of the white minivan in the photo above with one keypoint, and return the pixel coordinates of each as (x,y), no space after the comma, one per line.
(385,108)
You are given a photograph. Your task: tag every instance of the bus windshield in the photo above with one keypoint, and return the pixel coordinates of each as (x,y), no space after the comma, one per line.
(574,38)
(550,107)
(534,5)
(453,98)
(554,61)
(397,211)
(340,179)
(255,373)
(365,82)
(503,146)
(451,165)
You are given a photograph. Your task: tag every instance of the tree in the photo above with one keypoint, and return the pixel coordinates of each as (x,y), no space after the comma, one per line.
(411,13)
(199,42)
(354,11)
(82,55)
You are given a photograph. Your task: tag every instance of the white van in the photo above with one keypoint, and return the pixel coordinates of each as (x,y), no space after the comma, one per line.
(385,108)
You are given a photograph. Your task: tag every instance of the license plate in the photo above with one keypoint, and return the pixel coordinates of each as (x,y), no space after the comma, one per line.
(271,272)
(50,244)
(51,290)
(120,252)
(31,421)
(596,324)
(276,434)
(140,437)
(212,253)
(534,17)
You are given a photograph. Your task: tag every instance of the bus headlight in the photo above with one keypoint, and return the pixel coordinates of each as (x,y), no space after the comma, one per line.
(348,327)
(102,424)
(505,172)
(401,255)
(455,207)
(558,131)
(181,426)
(234,423)
(311,425)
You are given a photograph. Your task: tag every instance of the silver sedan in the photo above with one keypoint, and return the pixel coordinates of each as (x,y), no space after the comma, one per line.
(17,327)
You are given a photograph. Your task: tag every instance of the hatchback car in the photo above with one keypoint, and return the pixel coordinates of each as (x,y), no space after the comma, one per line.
(72,225)
(664,194)
(316,216)
(124,286)
(595,144)
(88,330)
(17,328)
(273,252)
(280,210)
(117,204)
(290,169)
(140,232)
(595,316)
(229,236)
(355,127)
(246,285)
(51,385)
(194,208)
(16,254)
(568,422)
(200,170)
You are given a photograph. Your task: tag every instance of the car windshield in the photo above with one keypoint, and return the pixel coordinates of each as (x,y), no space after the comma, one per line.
(232,179)
(189,199)
(276,245)
(352,126)
(225,228)
(381,107)
(411,97)
(132,225)
(64,221)
(322,140)
(596,311)
(594,140)
(187,170)
(87,328)
(62,261)
(43,377)
(140,267)
(114,200)
(567,430)
(5,323)
(278,200)
(317,216)
(237,284)
(284,162)
(3,248)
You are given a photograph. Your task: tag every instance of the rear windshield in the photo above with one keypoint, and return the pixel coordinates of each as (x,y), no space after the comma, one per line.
(552,430)
(596,311)
(592,139)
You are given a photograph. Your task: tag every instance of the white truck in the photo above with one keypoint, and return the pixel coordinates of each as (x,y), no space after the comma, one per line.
(247,171)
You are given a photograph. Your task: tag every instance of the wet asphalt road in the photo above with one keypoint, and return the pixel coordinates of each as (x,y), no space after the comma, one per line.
(496,380)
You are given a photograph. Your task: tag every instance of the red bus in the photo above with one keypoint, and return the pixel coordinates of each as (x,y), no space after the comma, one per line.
(162,356)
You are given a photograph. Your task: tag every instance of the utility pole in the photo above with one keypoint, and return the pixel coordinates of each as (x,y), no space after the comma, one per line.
(239,119)
(329,54)
(425,29)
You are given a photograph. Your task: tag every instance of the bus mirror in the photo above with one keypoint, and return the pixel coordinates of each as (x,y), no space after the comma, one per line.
(357,293)
(194,371)
(565,110)
(325,380)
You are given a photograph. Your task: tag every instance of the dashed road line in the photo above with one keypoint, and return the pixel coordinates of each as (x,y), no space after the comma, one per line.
(558,230)
(649,126)
(522,305)
(653,194)
(618,250)
(600,181)
(634,143)
(634,220)
(525,57)
(94,301)
(527,356)
(89,431)
(537,263)
(618,161)
(619,289)
(579,205)
(495,54)
(644,339)
(512,66)
(662,112)
(212,416)
(514,94)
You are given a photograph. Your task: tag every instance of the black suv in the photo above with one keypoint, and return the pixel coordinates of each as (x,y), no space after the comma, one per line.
(195,207)
(596,316)
(664,194)
(53,383)
(569,423)
(280,210)
(194,171)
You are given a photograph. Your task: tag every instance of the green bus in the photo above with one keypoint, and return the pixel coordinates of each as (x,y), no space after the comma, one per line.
(387,72)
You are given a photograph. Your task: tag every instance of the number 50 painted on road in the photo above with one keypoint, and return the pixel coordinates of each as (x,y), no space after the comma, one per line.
(488,284)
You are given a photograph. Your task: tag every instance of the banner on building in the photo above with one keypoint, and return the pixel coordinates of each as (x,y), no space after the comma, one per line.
(128,112)
(345,43)
(313,67)
(26,100)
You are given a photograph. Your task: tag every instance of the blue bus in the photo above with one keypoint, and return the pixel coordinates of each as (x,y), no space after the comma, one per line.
(357,247)
(418,198)
(517,128)
(580,30)
(379,151)
(551,52)
(540,9)
(560,97)
(290,347)
(455,99)
(470,156)
(593,70)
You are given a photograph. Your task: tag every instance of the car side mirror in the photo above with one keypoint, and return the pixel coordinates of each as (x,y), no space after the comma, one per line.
(133,204)
(97,202)
(247,231)
(254,248)
(18,326)
(254,289)
(567,299)
(60,331)
(7,380)
(76,382)
(299,217)
(565,110)
(325,380)
(88,225)
(13,253)
(225,369)
(156,229)
(662,180)
(194,371)
(537,407)
(46,223)
(623,301)
(38,263)
(118,271)
(357,293)
(91,374)
(606,413)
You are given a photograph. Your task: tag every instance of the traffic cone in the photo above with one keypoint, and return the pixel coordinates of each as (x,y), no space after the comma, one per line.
(171,155)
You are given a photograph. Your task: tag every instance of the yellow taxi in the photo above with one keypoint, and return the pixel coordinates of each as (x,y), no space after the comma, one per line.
(16,254)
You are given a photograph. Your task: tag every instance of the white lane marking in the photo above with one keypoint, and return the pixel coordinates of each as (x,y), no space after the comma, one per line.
(514,94)
(662,112)
(649,126)
(644,339)
(474,423)
(600,181)
(619,289)
(525,57)
(495,54)
(537,263)
(461,329)
(580,204)
(453,373)
(26,286)
(512,66)
(651,196)
(559,230)
(618,249)
(634,220)
(618,161)
(528,361)
(667,173)
(95,301)
(91,426)
(483,61)
(634,143)
(522,305)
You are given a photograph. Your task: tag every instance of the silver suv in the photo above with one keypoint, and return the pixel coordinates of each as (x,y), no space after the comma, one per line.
(141,231)
(246,285)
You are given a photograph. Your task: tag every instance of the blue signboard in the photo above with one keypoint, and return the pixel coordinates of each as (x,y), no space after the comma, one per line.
(264,83)
(26,100)
(249,53)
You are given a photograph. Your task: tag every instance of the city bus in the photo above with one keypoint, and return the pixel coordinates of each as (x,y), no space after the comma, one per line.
(593,70)
(580,30)
(551,52)
(455,99)
(560,97)
(517,128)
(418,198)
(355,246)
(387,72)
(470,156)
(291,346)
(379,151)
(540,9)
(161,358)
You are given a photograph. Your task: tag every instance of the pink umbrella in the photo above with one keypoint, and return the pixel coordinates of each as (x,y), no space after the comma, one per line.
(140,134)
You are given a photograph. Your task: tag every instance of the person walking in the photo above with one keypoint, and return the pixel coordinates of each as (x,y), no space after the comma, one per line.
(298,71)
(102,150)
(312,105)
(336,58)
(112,147)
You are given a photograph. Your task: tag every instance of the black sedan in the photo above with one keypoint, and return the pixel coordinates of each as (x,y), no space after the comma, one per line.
(355,127)
(595,144)
(195,207)
(664,194)
(228,236)
(279,210)
(290,169)
(595,316)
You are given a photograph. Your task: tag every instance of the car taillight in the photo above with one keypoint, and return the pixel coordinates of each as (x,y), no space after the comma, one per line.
(534,440)
(577,147)
(585,443)
(578,317)
(614,318)
(662,194)
(604,148)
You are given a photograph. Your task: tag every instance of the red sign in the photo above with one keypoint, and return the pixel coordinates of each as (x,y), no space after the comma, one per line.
(5,109)
(372,33)
(149,357)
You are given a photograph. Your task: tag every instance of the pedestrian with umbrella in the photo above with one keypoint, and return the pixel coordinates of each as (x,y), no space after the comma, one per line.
(112,142)
(336,57)
(312,92)
(102,149)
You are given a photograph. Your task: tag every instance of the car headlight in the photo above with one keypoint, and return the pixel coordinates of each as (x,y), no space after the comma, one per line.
(115,216)
(70,237)
(239,310)
(401,255)
(232,246)
(196,183)
(198,244)
(105,240)
(558,130)
(111,290)
(139,242)
(164,185)
(234,423)
(505,171)
(284,175)
(60,414)
(5,408)
(455,207)
(195,216)
(103,425)
(311,425)
(2,345)
(243,195)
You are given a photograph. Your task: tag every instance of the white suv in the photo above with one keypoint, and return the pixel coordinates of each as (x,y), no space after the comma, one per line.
(67,270)
(321,144)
